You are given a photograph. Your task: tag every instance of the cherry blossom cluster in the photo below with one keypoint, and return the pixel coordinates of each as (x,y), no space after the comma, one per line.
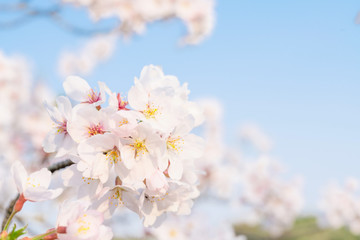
(134,15)
(272,202)
(341,206)
(197,226)
(83,61)
(220,173)
(23,122)
(252,187)
(138,154)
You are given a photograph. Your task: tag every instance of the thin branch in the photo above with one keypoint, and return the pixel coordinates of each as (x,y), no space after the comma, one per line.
(57,166)
(29,15)
(53,168)
(53,13)
(76,29)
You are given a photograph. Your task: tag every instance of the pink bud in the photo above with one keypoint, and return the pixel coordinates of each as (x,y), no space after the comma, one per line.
(61,229)
(19,203)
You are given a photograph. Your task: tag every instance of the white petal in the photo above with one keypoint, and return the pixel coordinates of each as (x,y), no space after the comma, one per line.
(138,97)
(127,156)
(176,169)
(19,175)
(43,176)
(76,88)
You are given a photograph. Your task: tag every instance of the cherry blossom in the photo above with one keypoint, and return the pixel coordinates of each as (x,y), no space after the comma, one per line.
(81,222)
(35,186)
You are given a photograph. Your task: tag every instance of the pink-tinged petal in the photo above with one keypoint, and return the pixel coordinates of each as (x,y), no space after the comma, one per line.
(64,106)
(39,194)
(49,145)
(186,125)
(54,193)
(82,166)
(19,175)
(86,121)
(150,75)
(103,88)
(138,97)
(127,156)
(185,208)
(97,143)
(121,170)
(67,149)
(71,176)
(76,88)
(141,170)
(100,169)
(54,113)
(89,188)
(43,177)
(193,146)
(105,233)
(130,200)
(176,169)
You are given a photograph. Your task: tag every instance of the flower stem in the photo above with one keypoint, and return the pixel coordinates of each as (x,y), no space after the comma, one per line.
(9,211)
(9,220)
(41,236)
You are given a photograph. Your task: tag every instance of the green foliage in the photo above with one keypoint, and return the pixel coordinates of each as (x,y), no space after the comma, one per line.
(305,228)
(14,234)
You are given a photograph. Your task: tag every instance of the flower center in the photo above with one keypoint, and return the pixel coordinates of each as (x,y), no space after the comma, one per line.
(84,225)
(95,129)
(61,128)
(139,147)
(93,97)
(121,103)
(87,180)
(32,182)
(174,143)
(123,122)
(150,111)
(117,195)
(113,156)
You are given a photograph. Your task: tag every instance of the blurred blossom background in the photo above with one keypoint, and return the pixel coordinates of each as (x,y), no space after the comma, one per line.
(278,82)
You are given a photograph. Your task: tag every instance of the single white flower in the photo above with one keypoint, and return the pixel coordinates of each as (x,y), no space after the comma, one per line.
(177,199)
(88,188)
(35,186)
(142,152)
(182,146)
(122,123)
(58,139)
(87,121)
(99,155)
(82,223)
(116,197)
(79,90)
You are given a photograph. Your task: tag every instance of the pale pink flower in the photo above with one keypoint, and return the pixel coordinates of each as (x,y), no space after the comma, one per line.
(82,223)
(35,186)
(79,90)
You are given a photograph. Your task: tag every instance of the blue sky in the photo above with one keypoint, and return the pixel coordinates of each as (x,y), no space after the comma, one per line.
(292,67)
